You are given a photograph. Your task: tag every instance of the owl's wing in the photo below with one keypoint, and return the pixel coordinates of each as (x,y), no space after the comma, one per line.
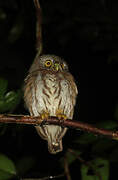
(28,85)
(73,85)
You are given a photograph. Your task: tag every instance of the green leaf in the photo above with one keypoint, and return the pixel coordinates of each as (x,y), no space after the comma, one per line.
(11,100)
(7,168)
(8,101)
(3,87)
(97,168)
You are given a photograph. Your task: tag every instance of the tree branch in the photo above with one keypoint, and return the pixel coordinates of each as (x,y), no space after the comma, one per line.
(31,120)
(39,44)
(45,178)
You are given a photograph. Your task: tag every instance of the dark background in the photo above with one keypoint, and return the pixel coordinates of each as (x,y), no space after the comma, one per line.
(85,34)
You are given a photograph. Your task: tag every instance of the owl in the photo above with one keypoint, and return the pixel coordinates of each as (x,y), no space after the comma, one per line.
(50,90)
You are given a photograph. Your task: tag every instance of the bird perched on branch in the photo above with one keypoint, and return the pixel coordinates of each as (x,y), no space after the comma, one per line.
(49,90)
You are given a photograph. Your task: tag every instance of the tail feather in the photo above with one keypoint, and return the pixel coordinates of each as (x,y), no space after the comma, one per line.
(53,134)
(55,147)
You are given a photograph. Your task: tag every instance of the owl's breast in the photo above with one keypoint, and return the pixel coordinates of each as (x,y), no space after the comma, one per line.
(52,92)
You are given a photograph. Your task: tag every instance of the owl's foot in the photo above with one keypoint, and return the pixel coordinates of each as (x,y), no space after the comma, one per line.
(44,115)
(62,117)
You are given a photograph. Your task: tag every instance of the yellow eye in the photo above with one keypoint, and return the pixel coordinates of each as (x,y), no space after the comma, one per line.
(48,63)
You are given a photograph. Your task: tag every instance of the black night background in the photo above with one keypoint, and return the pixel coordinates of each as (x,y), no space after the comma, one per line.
(85,34)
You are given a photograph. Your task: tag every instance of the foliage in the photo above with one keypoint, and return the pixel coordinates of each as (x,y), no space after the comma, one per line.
(7,168)
(99,168)
(85,33)
(8,100)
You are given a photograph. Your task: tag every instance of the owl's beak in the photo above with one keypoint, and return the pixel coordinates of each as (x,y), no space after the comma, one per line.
(56,66)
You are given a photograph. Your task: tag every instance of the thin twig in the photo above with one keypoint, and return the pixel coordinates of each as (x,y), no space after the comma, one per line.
(85,163)
(77,156)
(45,178)
(31,120)
(66,168)
(32,179)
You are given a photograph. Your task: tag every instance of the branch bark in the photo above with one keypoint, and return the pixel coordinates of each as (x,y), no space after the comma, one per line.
(39,44)
(30,120)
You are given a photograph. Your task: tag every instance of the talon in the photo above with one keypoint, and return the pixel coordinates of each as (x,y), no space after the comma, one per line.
(62,117)
(44,115)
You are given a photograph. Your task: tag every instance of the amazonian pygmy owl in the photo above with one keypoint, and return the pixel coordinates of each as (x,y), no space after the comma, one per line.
(50,90)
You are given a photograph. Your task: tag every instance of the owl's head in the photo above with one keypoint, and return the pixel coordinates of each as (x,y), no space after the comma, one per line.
(49,62)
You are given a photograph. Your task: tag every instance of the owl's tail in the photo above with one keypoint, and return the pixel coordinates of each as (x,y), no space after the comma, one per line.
(53,135)
(55,147)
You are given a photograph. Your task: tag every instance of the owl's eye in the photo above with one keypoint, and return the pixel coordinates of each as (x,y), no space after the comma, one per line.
(48,63)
